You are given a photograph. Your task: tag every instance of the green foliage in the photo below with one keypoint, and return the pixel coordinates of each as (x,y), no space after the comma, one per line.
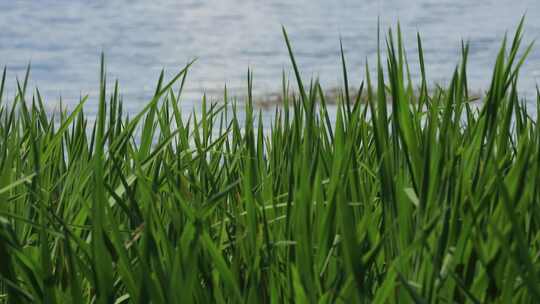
(415,196)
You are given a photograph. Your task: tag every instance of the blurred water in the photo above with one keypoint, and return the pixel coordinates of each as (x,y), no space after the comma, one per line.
(63,40)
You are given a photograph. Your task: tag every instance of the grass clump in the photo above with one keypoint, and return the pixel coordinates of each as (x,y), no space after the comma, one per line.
(425,199)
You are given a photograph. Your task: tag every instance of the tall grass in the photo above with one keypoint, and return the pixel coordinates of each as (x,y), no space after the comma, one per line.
(426,199)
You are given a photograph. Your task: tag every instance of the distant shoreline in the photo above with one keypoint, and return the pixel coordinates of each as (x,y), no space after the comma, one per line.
(335,95)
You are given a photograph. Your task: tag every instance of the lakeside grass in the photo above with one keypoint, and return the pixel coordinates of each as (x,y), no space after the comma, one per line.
(424,200)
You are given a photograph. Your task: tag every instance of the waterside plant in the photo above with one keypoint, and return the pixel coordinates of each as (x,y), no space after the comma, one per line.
(424,199)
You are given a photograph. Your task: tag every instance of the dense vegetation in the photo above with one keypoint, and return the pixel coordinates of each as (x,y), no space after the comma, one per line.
(424,199)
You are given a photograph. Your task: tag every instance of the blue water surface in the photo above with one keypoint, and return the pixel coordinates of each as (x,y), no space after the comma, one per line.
(63,40)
